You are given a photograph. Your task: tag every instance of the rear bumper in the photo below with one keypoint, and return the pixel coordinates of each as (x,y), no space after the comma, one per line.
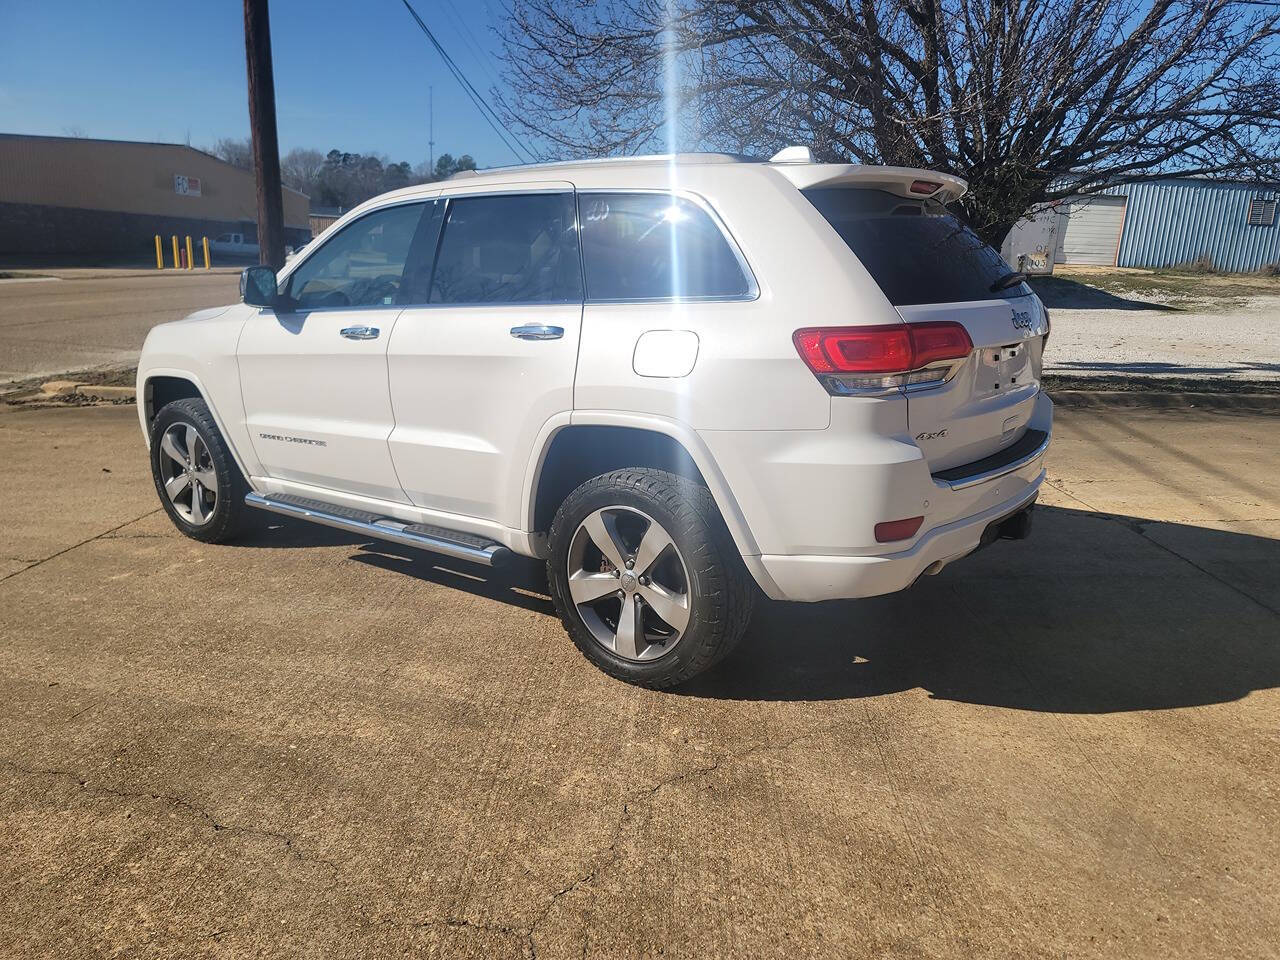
(814,578)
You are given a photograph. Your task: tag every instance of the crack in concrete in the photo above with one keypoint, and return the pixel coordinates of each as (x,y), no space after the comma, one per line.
(515,934)
(76,546)
(611,853)
(181,803)
(526,936)
(1140,528)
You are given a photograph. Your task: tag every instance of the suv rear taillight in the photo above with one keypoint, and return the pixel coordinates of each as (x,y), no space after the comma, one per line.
(874,359)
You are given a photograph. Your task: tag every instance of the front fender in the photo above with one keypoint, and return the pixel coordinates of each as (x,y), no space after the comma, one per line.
(202,350)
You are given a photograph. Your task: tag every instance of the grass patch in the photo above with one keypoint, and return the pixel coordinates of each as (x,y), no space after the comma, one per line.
(1173,284)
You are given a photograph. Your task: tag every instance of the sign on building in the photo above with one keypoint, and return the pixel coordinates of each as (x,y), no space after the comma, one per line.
(1031,244)
(186,186)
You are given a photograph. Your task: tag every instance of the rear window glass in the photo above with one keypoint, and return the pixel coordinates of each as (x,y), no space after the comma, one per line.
(653,246)
(915,250)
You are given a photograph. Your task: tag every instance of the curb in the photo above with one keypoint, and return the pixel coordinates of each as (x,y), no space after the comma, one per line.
(106,392)
(66,390)
(1165,400)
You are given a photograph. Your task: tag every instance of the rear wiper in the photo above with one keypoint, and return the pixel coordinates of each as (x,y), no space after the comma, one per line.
(1008,280)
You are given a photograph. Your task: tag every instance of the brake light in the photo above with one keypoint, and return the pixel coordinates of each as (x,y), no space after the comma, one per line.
(855,349)
(857,359)
(892,530)
(925,186)
(941,340)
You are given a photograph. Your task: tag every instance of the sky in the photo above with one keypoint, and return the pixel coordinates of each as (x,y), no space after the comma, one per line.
(349,74)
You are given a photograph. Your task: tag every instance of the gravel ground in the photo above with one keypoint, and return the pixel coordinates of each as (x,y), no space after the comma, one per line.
(1121,323)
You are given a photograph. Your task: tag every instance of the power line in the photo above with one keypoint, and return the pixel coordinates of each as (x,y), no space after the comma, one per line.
(470,40)
(491,117)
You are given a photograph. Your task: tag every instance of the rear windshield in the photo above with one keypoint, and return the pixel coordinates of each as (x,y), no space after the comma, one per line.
(914,249)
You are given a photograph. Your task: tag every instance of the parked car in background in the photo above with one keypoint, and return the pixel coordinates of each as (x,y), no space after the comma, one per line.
(234,245)
(679,381)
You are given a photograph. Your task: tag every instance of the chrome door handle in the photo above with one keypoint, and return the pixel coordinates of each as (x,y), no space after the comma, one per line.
(360,333)
(537,331)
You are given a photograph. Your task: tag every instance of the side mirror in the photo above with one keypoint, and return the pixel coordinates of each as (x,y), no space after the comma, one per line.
(258,286)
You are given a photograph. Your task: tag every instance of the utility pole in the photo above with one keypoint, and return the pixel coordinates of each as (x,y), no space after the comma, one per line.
(431,128)
(262,127)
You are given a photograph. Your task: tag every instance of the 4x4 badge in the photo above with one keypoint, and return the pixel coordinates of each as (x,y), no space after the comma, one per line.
(1022,320)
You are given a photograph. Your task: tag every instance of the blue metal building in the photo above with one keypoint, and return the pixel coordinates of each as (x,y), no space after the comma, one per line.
(1171,222)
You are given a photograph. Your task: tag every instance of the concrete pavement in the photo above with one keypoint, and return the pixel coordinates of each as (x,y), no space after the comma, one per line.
(310,745)
(87,319)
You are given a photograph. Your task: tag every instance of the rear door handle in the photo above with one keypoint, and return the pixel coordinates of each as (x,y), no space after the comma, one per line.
(360,333)
(537,331)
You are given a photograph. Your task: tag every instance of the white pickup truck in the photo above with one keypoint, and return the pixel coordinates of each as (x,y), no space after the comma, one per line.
(680,381)
(233,244)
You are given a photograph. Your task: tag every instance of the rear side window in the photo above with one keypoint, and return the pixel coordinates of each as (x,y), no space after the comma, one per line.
(362,265)
(915,250)
(653,246)
(509,249)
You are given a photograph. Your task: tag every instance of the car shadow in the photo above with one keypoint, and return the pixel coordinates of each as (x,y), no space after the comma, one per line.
(1095,613)
(1061,293)
(521,582)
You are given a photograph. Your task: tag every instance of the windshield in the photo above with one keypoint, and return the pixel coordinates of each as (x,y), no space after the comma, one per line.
(915,250)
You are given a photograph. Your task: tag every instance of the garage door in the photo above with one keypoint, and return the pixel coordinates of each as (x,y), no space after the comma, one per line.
(1092,231)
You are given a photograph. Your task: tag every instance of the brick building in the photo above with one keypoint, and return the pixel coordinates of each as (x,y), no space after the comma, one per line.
(61,195)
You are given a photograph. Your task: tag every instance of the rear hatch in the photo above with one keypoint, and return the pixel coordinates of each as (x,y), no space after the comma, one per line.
(932,267)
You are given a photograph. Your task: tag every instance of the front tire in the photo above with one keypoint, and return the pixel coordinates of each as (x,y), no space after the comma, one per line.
(198,482)
(645,577)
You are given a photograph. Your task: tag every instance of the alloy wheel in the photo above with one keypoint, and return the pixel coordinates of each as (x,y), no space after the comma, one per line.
(629,583)
(186,470)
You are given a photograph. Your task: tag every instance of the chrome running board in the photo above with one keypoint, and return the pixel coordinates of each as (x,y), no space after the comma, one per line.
(450,543)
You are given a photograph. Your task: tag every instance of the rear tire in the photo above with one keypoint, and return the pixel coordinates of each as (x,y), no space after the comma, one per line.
(196,478)
(665,596)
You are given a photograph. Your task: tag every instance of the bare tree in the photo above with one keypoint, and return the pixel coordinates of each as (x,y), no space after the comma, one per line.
(300,168)
(238,153)
(1029,100)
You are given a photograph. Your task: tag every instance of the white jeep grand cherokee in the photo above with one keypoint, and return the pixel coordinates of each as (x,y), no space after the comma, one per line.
(675,379)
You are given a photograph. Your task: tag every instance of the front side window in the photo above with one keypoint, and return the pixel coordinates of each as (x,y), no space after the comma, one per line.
(655,246)
(508,249)
(360,267)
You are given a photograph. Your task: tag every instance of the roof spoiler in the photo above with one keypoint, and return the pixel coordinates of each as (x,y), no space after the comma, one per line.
(904,181)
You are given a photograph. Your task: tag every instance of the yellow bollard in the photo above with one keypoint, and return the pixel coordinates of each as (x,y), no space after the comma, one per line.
(175,251)
(159,254)
(190,262)
(205,242)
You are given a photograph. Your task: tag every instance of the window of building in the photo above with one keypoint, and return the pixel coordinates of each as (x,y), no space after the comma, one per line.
(508,249)
(361,266)
(1262,212)
(653,246)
